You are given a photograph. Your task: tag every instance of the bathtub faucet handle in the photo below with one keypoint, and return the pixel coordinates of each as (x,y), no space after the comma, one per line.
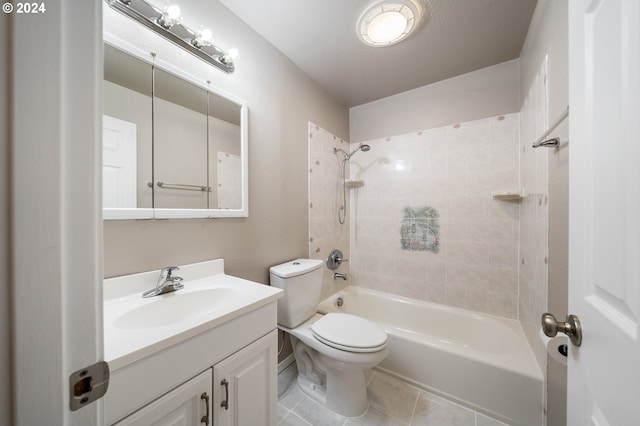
(335,259)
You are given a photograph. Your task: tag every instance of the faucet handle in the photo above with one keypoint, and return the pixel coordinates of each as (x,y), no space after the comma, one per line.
(176,282)
(166,272)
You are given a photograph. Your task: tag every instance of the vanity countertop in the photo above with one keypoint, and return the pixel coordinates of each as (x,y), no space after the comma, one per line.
(136,327)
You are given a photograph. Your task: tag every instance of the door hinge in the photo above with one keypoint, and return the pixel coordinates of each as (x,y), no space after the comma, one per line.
(88,384)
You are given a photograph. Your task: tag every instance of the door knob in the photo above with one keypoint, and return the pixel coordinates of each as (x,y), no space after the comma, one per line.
(572,327)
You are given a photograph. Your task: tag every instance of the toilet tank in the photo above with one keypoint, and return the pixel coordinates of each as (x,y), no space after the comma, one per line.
(301,280)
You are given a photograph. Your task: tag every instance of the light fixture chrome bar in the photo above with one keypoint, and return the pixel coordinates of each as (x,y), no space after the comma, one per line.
(551,143)
(208,53)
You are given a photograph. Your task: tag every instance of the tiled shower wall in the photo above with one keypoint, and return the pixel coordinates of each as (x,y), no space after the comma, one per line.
(534,212)
(325,232)
(467,255)
(450,169)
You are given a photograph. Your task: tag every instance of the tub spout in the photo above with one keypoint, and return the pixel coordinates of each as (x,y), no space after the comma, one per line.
(337,275)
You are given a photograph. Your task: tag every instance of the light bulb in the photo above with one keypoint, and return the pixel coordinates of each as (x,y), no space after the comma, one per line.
(173,12)
(206,35)
(228,57)
(203,38)
(170,16)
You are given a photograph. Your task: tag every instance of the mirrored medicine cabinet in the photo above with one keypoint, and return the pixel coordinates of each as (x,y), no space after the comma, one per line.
(172,148)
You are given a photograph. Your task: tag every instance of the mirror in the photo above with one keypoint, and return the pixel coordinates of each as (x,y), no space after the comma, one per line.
(171,147)
(180,146)
(127,131)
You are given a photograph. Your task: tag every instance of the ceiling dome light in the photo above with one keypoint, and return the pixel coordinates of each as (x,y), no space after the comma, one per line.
(388,22)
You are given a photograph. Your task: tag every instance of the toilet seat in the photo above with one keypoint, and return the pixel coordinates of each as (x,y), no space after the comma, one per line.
(349,333)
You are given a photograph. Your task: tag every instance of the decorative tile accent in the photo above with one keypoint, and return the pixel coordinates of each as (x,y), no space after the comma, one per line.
(420,230)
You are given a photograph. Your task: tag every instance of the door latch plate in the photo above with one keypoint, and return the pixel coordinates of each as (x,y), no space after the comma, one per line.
(88,384)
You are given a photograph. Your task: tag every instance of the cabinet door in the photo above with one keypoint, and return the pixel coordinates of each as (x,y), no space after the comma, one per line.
(187,405)
(245,385)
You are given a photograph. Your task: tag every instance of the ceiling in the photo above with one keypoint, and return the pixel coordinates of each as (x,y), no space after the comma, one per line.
(458,36)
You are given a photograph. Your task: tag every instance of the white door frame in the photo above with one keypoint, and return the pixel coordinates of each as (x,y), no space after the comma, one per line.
(56,241)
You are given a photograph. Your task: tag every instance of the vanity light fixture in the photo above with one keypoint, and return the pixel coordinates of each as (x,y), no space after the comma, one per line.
(167,23)
(388,22)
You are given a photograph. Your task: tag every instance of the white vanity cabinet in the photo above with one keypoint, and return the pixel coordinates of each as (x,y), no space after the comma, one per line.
(187,405)
(166,356)
(245,385)
(239,391)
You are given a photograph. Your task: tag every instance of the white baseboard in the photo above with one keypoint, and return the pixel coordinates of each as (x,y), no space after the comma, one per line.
(282,365)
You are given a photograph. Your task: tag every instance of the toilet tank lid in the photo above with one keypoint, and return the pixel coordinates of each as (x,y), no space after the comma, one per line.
(295,267)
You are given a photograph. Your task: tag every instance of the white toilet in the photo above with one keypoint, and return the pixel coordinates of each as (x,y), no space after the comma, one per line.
(332,351)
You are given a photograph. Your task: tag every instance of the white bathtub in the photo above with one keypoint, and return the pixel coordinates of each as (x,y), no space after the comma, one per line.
(481,361)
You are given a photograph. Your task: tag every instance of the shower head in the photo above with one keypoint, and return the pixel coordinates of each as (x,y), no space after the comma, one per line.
(362,147)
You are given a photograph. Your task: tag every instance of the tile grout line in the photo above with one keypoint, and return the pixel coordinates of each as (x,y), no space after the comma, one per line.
(415,404)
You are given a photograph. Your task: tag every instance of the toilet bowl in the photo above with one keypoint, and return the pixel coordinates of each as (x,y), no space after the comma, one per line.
(332,351)
(335,376)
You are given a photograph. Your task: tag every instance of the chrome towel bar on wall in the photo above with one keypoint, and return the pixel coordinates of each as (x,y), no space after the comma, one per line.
(554,142)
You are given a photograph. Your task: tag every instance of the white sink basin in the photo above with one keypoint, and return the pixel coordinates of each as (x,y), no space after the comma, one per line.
(170,308)
(137,327)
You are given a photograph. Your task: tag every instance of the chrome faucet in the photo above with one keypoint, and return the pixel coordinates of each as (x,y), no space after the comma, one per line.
(337,275)
(166,283)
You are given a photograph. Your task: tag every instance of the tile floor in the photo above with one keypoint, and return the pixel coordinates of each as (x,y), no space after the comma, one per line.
(392,403)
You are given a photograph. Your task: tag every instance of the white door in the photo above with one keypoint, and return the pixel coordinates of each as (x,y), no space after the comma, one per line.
(119,172)
(604,235)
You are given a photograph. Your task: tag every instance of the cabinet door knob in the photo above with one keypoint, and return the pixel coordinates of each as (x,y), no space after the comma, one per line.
(225,404)
(205,418)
